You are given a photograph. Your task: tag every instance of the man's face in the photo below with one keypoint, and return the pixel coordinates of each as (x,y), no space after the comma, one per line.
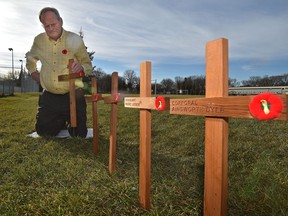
(52,25)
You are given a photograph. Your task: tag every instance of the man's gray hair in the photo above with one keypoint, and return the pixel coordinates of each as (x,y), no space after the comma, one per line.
(46,9)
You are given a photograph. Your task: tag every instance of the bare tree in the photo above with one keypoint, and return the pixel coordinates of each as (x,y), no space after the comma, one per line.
(278,80)
(131,79)
(13,75)
(179,82)
(168,85)
(233,82)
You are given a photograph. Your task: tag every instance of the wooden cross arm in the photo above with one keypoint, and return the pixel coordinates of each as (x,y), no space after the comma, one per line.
(231,106)
(93,98)
(113,98)
(66,77)
(152,103)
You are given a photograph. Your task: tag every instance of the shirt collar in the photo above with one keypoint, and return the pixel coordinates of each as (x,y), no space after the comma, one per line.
(60,38)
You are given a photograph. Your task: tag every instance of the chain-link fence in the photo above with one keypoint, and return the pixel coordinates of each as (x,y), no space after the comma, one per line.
(6,87)
(9,86)
(28,84)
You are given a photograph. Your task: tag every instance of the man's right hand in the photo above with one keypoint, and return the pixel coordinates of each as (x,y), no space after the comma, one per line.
(36,76)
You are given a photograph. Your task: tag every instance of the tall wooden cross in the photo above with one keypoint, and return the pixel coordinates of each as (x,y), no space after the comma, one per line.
(145,103)
(217,107)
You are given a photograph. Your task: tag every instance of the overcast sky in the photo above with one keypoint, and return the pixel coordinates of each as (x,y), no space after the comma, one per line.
(172,34)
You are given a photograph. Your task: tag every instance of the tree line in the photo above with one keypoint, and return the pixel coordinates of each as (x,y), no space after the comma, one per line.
(193,85)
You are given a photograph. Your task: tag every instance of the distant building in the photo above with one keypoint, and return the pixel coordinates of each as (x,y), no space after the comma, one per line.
(258,90)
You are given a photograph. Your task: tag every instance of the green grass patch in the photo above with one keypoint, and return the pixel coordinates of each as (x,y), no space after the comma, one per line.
(63,177)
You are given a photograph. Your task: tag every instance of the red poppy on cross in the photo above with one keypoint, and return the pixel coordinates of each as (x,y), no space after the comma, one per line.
(266,106)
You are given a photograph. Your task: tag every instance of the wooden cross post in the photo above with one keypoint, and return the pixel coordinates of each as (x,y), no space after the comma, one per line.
(113,100)
(73,121)
(145,138)
(145,103)
(94,98)
(216,132)
(217,107)
(71,76)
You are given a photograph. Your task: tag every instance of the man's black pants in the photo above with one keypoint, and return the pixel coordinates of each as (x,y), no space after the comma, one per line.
(54,114)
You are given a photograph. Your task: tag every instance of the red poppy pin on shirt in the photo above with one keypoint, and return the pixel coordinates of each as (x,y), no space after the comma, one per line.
(266,106)
(64,51)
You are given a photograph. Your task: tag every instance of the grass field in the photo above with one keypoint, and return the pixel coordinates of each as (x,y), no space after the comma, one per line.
(63,177)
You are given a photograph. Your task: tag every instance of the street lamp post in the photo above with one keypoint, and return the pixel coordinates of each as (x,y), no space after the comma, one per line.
(11,49)
(21,65)
(21,75)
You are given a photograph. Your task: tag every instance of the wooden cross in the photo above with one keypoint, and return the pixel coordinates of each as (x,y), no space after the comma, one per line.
(73,121)
(113,99)
(217,107)
(94,98)
(145,103)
